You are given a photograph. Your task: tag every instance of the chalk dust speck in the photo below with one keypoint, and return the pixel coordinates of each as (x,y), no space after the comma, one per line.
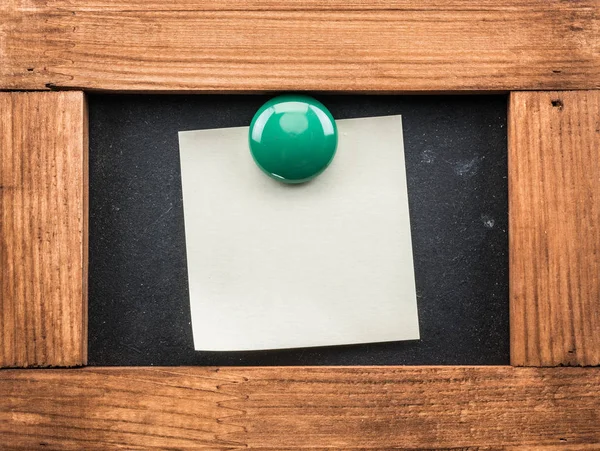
(488,221)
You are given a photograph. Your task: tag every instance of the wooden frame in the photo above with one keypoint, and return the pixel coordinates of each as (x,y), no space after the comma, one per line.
(546,52)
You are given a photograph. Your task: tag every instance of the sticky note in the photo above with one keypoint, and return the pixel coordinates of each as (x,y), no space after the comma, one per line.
(274,266)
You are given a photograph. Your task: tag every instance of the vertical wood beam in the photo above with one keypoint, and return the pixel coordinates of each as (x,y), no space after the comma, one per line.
(43,229)
(554,212)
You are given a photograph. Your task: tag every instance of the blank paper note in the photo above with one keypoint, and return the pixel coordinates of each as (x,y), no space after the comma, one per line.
(272,266)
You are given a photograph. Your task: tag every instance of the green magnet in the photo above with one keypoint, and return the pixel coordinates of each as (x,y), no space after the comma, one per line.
(293,138)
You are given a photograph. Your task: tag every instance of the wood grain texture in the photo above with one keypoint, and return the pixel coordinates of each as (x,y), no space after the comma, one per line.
(300,408)
(339,45)
(554,212)
(43,229)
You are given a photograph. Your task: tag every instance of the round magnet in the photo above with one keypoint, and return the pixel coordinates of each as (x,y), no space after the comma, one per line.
(293,138)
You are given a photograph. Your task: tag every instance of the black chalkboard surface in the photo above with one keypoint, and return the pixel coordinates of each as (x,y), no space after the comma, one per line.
(456,158)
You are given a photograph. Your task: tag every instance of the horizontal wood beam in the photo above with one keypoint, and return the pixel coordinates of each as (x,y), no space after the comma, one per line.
(265,45)
(554,214)
(300,408)
(43,229)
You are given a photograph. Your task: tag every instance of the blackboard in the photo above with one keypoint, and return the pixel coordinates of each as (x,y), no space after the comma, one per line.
(456,157)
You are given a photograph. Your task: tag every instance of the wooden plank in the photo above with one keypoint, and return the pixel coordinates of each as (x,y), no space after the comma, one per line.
(259,45)
(300,408)
(554,211)
(43,229)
